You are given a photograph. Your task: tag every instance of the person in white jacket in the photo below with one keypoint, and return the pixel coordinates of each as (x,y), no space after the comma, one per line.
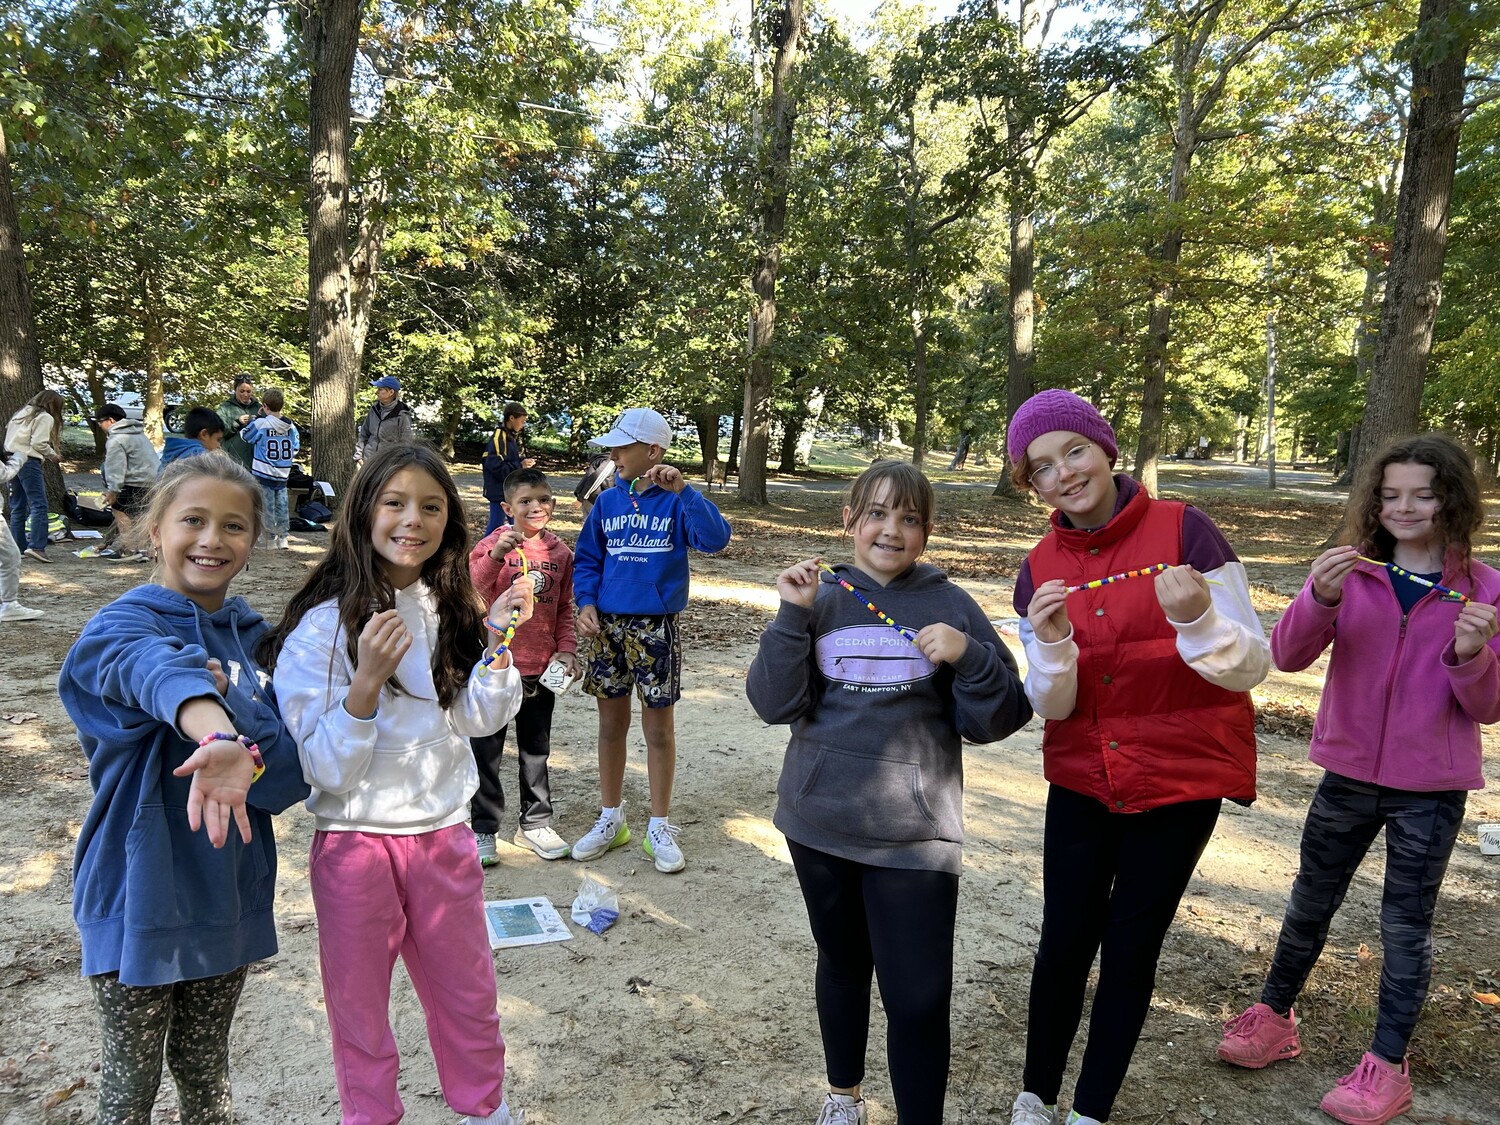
(33,436)
(382,675)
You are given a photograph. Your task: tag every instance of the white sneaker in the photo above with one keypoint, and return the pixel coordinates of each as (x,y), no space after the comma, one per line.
(544,841)
(15,611)
(660,845)
(1031,1110)
(281,543)
(502,1116)
(609,831)
(841,1109)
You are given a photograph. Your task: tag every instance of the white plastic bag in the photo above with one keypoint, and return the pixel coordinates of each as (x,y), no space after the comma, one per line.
(596,906)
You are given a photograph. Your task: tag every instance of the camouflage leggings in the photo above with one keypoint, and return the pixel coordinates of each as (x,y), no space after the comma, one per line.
(191,1020)
(1345,817)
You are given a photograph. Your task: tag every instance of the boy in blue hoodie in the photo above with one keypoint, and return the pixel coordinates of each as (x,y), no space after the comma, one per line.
(630,581)
(202,432)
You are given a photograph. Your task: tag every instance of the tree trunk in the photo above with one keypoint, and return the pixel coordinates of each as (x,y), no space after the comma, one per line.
(919,372)
(332,29)
(153,338)
(786,32)
(1163,293)
(735,430)
(1021,355)
(706,419)
(811,418)
(1419,241)
(20,359)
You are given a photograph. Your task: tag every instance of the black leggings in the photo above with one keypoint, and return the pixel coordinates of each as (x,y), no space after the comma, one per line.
(1110,885)
(897,924)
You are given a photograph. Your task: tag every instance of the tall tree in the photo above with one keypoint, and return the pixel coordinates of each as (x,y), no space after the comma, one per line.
(785,25)
(1413,288)
(20,362)
(331,30)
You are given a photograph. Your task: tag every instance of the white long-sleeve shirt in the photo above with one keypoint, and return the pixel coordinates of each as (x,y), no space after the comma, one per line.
(407,770)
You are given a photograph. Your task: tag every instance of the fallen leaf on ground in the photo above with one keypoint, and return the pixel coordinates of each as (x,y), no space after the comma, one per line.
(57,1097)
(1364,953)
(19,717)
(1487,998)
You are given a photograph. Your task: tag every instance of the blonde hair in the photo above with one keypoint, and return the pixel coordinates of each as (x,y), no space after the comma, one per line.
(205,466)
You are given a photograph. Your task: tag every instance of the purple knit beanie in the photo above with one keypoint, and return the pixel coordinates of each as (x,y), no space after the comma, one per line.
(1058,410)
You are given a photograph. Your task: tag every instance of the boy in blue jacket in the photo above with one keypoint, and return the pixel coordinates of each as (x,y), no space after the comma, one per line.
(630,581)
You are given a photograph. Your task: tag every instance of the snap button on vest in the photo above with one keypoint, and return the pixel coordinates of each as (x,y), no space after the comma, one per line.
(1114,745)
(1098,613)
(1093,550)
(1119,804)
(1108,679)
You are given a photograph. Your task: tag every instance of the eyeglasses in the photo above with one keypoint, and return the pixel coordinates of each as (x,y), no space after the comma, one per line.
(1044,479)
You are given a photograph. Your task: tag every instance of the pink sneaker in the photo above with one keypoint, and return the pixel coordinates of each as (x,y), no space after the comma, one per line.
(1376,1092)
(1258,1037)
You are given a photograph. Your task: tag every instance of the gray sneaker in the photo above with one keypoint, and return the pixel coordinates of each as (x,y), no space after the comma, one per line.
(33,553)
(840,1109)
(661,848)
(1031,1110)
(485,842)
(543,840)
(609,831)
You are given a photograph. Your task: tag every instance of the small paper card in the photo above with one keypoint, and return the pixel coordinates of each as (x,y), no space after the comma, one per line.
(326,487)
(556,679)
(524,921)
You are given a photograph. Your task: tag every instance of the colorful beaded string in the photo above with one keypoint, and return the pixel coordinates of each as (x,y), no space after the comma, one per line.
(1452,595)
(1094,585)
(909,634)
(508,633)
(631,493)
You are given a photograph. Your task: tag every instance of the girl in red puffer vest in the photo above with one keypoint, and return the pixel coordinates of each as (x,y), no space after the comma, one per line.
(1145,685)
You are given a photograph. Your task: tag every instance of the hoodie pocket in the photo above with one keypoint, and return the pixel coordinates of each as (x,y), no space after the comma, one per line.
(871,798)
(635,598)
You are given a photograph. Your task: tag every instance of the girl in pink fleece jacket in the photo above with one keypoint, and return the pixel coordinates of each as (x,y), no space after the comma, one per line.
(1413,674)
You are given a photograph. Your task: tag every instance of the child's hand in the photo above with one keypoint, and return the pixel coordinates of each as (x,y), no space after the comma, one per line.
(941,644)
(508,542)
(382,643)
(569,661)
(1475,626)
(1183,594)
(1048,612)
(588,622)
(519,595)
(221,780)
(798,583)
(221,681)
(1329,571)
(669,478)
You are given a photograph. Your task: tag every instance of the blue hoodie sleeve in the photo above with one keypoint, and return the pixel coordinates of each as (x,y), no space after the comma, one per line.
(128,658)
(707,529)
(588,558)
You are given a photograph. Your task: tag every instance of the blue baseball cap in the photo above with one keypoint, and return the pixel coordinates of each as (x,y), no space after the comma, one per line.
(387,382)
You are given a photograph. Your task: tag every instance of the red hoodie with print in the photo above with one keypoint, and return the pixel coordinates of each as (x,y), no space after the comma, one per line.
(550,563)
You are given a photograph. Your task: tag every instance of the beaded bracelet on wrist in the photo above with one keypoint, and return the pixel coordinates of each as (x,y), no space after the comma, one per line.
(244,740)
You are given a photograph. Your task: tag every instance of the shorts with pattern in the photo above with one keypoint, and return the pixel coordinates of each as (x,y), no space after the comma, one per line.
(643,650)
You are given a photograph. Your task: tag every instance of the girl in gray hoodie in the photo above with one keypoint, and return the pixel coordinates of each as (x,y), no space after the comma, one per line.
(880,688)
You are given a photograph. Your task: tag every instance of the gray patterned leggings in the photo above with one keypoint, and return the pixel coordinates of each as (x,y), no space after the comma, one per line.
(1342,823)
(191,1021)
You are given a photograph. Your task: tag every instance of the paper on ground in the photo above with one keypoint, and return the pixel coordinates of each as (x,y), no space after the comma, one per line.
(524,921)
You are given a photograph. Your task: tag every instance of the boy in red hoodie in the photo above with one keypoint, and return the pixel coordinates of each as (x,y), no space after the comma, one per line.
(495,563)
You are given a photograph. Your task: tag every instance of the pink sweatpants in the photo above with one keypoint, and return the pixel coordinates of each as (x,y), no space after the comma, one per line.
(422,897)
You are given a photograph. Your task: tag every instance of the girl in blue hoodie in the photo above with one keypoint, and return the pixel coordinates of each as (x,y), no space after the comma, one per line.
(176,864)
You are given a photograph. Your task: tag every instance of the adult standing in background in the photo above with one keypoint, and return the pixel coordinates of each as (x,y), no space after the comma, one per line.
(388,423)
(238,411)
(34,435)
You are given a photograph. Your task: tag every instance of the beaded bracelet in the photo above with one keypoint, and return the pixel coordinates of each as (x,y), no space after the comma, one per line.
(508,632)
(244,740)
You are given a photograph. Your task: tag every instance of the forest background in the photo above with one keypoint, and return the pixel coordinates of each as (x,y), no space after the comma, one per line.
(763,216)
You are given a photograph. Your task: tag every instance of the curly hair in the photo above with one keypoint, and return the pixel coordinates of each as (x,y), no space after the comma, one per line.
(1460,507)
(352,574)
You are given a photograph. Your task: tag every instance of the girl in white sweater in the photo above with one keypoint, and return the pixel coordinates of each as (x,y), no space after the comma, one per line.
(382,674)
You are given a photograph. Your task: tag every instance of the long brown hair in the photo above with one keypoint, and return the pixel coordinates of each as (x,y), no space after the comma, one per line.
(352,574)
(1460,507)
(49,402)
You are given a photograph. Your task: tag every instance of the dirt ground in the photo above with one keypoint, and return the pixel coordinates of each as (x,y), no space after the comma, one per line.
(697,1006)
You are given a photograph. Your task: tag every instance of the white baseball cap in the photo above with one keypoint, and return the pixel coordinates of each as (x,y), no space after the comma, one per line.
(640,423)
